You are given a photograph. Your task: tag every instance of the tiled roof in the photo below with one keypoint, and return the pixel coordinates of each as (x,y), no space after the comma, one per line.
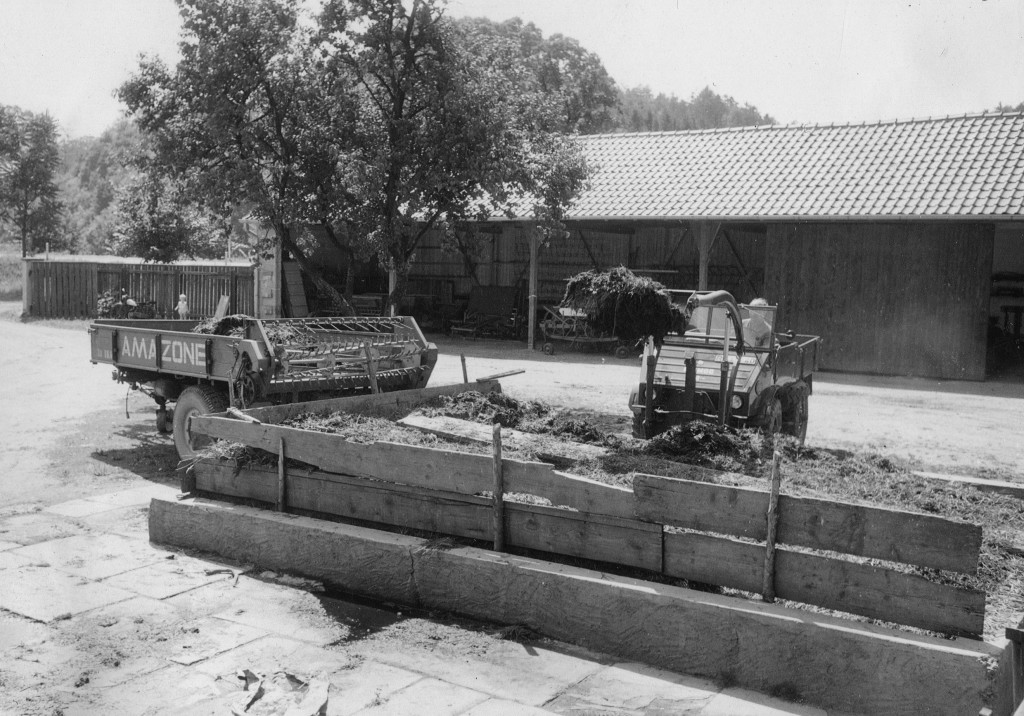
(969,166)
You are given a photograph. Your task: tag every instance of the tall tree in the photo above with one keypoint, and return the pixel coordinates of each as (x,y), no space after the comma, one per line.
(560,67)
(448,129)
(155,219)
(28,191)
(242,119)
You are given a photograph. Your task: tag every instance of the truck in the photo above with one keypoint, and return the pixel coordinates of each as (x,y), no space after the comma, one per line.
(725,362)
(241,362)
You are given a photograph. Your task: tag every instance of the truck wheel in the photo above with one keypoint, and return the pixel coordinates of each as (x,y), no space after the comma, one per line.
(772,424)
(195,400)
(638,426)
(797,423)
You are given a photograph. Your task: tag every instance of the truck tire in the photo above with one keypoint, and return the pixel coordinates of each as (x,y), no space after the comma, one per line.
(796,423)
(772,423)
(195,400)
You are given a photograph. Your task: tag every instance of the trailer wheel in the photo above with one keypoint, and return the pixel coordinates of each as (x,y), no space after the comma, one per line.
(622,352)
(195,400)
(548,348)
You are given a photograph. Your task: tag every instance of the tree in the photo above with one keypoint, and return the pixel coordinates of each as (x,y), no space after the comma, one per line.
(242,118)
(642,111)
(28,192)
(448,129)
(560,67)
(93,172)
(157,221)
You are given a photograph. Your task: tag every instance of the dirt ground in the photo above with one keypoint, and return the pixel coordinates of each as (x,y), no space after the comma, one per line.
(67,434)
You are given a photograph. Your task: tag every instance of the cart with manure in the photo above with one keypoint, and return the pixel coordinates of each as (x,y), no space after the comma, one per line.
(576,330)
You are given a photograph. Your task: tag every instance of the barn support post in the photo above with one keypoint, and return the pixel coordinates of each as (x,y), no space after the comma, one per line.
(706,232)
(26,287)
(531,318)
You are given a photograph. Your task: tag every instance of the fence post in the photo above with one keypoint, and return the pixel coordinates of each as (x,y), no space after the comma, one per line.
(26,286)
(499,493)
(768,583)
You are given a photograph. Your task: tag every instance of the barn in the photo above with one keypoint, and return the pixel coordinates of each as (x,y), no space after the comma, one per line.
(901,243)
(898,242)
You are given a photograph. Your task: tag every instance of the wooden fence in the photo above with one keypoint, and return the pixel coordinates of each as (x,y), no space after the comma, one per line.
(69,289)
(827,553)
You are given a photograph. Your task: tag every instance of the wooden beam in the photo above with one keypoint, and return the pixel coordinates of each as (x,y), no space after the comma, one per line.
(447,470)
(826,582)
(875,532)
(577,534)
(706,232)
(590,253)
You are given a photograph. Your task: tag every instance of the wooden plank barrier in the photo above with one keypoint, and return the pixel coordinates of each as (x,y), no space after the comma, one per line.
(431,468)
(441,491)
(605,539)
(828,582)
(875,532)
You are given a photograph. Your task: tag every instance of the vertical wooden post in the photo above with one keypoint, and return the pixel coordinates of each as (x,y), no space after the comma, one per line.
(707,232)
(768,584)
(26,287)
(465,374)
(499,494)
(371,367)
(281,475)
(531,317)
(650,363)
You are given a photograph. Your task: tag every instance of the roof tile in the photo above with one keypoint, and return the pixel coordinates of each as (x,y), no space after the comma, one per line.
(958,166)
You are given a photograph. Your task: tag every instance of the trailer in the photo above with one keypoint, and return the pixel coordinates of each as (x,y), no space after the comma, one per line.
(726,364)
(248,362)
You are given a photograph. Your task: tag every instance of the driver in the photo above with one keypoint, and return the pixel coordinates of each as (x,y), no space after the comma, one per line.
(756,331)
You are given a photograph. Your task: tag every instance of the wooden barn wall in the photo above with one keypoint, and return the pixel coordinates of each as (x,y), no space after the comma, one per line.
(892,299)
(667,253)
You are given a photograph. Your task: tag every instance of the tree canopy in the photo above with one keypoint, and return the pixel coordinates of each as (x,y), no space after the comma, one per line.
(379,115)
(30,208)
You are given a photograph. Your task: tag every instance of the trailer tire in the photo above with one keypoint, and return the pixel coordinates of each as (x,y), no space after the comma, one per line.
(622,352)
(548,349)
(195,400)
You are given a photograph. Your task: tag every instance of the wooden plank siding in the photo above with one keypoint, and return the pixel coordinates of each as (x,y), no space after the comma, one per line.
(69,289)
(892,299)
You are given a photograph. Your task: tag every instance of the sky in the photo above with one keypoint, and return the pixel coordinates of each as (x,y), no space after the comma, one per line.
(801,61)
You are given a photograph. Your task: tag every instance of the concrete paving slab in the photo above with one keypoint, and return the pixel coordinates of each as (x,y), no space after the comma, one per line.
(195,641)
(4,546)
(137,619)
(92,556)
(46,594)
(170,688)
(743,702)
(167,577)
(136,496)
(636,690)
(40,667)
(208,599)
(285,611)
(426,696)
(129,522)
(10,560)
(358,688)
(264,655)
(19,631)
(33,527)
(501,707)
(78,508)
(527,673)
